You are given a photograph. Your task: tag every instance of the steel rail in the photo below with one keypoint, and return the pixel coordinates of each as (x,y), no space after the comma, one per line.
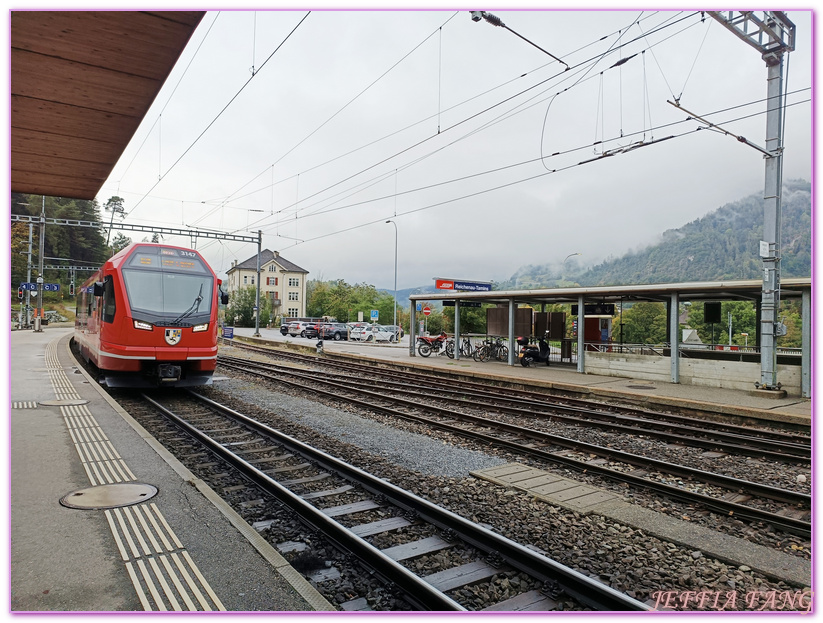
(675,433)
(789,524)
(726,482)
(526,395)
(585,590)
(420,593)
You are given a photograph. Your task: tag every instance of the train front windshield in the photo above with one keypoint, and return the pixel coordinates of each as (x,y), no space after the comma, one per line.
(168,287)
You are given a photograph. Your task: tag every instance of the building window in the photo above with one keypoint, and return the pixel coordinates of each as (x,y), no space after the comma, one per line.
(245,279)
(293,296)
(271,281)
(294,282)
(252,280)
(272,268)
(293,312)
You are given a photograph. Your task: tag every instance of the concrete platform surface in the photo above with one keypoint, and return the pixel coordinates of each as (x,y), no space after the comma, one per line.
(183,549)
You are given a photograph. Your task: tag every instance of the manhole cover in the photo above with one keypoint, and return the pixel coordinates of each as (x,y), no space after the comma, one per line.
(63,403)
(109,496)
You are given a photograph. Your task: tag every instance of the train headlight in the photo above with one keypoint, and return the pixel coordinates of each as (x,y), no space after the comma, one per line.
(200,327)
(145,326)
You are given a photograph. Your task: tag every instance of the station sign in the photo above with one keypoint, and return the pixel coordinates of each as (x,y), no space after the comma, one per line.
(600,309)
(462,303)
(463,286)
(48,287)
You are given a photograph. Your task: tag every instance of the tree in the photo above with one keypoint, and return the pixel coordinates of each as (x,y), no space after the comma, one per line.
(84,245)
(344,301)
(472,319)
(116,206)
(644,323)
(744,320)
(240,311)
(119,243)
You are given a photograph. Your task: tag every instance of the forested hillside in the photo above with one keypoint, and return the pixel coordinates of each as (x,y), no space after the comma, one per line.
(722,245)
(64,245)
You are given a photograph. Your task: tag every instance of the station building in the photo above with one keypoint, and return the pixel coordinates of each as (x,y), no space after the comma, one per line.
(281,281)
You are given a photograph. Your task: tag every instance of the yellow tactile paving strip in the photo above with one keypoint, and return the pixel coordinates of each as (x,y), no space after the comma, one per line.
(161,570)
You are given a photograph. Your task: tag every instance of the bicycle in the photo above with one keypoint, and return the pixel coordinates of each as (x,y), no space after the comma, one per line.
(466,348)
(492,350)
(500,351)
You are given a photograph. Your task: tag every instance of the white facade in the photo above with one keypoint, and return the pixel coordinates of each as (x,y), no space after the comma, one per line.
(281,281)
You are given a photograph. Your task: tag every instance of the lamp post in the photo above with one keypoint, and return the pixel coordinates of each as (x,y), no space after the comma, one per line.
(564,261)
(395,274)
(38,315)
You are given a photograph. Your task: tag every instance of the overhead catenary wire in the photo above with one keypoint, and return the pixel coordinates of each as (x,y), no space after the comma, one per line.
(656,29)
(171,95)
(346,105)
(562,74)
(219,114)
(495,188)
(146,194)
(531,161)
(728,109)
(303,199)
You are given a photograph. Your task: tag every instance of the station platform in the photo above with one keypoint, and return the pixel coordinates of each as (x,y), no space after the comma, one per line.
(182,549)
(731,404)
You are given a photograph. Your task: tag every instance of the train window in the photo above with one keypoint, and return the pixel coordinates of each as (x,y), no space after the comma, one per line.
(108,300)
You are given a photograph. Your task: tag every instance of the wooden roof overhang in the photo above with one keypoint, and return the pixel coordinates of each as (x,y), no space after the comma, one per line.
(81,83)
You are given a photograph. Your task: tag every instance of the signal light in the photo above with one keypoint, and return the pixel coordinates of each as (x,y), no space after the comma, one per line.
(71,289)
(20,293)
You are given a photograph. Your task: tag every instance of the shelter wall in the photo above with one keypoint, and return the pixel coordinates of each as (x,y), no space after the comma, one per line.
(703,373)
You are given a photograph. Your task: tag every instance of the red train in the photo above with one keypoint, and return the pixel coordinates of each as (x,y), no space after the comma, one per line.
(148,318)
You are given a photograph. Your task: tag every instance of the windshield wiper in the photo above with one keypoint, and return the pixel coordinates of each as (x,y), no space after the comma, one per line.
(194,307)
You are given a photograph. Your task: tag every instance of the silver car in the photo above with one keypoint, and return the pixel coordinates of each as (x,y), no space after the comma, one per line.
(373,333)
(297,328)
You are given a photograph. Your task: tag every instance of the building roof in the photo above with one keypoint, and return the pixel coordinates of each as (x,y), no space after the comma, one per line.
(267,256)
(81,83)
(749,290)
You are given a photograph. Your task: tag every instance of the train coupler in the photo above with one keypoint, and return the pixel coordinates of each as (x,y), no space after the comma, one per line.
(167,373)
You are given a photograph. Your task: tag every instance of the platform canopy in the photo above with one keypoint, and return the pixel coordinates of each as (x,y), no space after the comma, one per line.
(81,83)
(744,290)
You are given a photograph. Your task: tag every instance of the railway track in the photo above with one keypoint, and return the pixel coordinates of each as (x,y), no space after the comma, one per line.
(521,400)
(638,471)
(380,525)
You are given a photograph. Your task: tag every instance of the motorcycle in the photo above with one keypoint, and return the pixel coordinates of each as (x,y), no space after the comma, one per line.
(529,353)
(426,345)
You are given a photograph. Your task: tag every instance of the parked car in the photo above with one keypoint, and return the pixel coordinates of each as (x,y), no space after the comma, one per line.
(313,329)
(335,331)
(396,329)
(297,328)
(284,327)
(376,333)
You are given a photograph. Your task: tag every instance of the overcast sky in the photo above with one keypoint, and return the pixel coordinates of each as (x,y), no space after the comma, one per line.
(318,127)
